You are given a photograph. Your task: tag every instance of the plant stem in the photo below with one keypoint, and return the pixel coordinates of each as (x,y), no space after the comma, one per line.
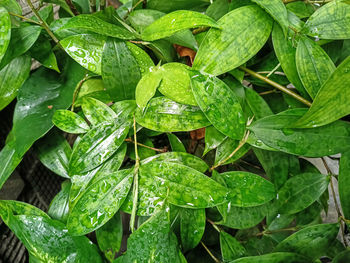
(92,6)
(210,254)
(25,18)
(135,189)
(273,71)
(267,92)
(146,146)
(132,8)
(43,23)
(266,232)
(214,225)
(276,85)
(77,89)
(72,7)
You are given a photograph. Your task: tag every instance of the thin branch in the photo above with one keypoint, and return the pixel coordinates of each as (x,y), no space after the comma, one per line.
(276,85)
(210,254)
(273,71)
(267,232)
(146,146)
(72,7)
(268,92)
(25,18)
(214,225)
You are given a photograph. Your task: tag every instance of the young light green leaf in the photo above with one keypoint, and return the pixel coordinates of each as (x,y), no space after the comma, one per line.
(143,59)
(124,109)
(175,143)
(176,83)
(225,149)
(59,206)
(192,226)
(217,100)
(213,138)
(86,49)
(99,202)
(97,112)
(120,70)
(225,49)
(5,31)
(147,87)
(313,64)
(331,21)
(247,189)
(99,26)
(109,236)
(93,88)
(70,122)
(231,249)
(174,22)
(301,191)
(301,9)
(311,242)
(331,102)
(54,152)
(343,182)
(272,131)
(165,115)
(12,77)
(100,143)
(277,257)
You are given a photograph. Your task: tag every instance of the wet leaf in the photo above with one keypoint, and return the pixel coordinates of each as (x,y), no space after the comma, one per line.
(192,226)
(225,149)
(174,5)
(120,70)
(165,115)
(213,138)
(300,191)
(225,49)
(143,59)
(175,143)
(99,202)
(330,104)
(343,182)
(174,22)
(99,26)
(331,21)
(12,77)
(312,241)
(97,146)
(97,112)
(54,152)
(257,104)
(342,257)
(70,122)
(93,88)
(231,249)
(109,236)
(5,29)
(278,257)
(59,206)
(124,110)
(86,49)
(313,64)
(217,100)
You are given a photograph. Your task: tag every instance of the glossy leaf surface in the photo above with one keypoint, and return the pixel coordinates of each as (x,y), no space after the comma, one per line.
(192,226)
(59,206)
(343,182)
(69,121)
(225,49)
(231,249)
(213,138)
(276,9)
(277,257)
(5,29)
(175,143)
(97,112)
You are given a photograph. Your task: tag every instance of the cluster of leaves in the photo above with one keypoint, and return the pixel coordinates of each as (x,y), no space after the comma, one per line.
(193,78)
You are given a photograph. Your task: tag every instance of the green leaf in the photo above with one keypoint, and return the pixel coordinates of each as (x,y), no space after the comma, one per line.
(217,100)
(271,130)
(21,41)
(99,202)
(93,88)
(276,9)
(179,184)
(12,77)
(174,22)
(99,26)
(311,242)
(301,191)
(109,236)
(48,240)
(330,104)
(5,31)
(342,257)
(124,109)
(331,21)
(286,54)
(9,159)
(153,241)
(257,104)
(120,70)
(175,4)
(86,49)
(278,257)
(213,138)
(244,32)
(225,149)
(247,189)
(176,83)
(14,7)
(313,64)
(97,146)
(70,122)
(301,9)
(231,249)
(165,115)
(97,112)
(54,152)
(59,206)
(175,143)
(180,157)
(143,59)
(343,182)
(147,87)
(192,226)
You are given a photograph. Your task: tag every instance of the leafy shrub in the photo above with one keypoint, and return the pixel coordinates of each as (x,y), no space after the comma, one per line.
(181,118)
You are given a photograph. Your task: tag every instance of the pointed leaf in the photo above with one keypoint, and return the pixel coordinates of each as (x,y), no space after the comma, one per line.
(175,22)
(192,226)
(278,257)
(213,138)
(97,112)
(143,59)
(225,149)
(70,122)
(230,247)
(239,39)
(343,183)
(175,143)
(5,31)
(59,206)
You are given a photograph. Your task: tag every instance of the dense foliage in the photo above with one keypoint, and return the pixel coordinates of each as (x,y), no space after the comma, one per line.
(194,117)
